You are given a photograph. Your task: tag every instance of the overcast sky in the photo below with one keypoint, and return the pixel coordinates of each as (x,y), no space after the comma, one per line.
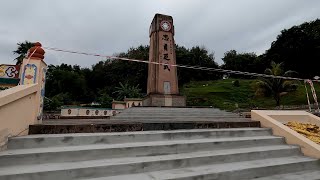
(112,26)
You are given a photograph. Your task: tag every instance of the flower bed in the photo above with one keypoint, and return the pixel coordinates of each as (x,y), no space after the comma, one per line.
(310,131)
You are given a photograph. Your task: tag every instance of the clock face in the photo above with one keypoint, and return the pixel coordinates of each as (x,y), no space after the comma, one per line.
(165,25)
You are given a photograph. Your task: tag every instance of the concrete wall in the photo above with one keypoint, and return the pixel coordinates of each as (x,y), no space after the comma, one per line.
(179,101)
(22,105)
(164,100)
(299,118)
(276,120)
(34,72)
(158,101)
(118,106)
(127,103)
(146,101)
(130,103)
(17,111)
(71,112)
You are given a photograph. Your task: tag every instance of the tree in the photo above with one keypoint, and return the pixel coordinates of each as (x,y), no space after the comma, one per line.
(53,104)
(275,86)
(107,74)
(196,56)
(248,62)
(22,51)
(67,79)
(104,99)
(127,91)
(299,49)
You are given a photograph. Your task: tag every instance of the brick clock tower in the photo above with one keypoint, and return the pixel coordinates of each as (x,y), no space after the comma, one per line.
(162,79)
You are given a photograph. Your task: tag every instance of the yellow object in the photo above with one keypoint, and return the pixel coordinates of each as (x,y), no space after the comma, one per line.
(310,131)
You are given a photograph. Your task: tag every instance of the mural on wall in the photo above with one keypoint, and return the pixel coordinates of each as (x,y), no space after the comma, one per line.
(29,74)
(44,72)
(9,71)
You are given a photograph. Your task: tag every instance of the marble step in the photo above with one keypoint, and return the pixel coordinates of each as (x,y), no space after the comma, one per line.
(299,175)
(58,140)
(243,170)
(92,152)
(194,160)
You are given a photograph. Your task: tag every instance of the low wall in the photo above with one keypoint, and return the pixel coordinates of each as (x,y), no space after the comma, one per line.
(118,106)
(17,111)
(84,112)
(276,121)
(133,103)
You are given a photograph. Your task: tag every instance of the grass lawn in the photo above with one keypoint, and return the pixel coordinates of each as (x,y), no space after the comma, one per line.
(222,94)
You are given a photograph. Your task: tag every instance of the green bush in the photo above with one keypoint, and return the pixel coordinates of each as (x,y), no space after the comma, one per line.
(236,83)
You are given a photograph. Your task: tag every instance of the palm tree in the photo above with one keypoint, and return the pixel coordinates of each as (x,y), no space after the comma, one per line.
(127,91)
(275,86)
(22,51)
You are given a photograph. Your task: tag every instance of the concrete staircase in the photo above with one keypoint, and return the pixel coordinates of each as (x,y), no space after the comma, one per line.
(234,153)
(146,119)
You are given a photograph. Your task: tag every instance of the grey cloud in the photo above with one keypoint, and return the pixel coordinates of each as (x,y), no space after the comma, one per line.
(108,27)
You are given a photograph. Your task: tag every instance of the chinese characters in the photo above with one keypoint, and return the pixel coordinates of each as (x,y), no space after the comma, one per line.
(165,55)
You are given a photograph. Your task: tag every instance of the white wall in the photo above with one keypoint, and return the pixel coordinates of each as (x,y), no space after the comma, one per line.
(86,112)
(136,103)
(119,106)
